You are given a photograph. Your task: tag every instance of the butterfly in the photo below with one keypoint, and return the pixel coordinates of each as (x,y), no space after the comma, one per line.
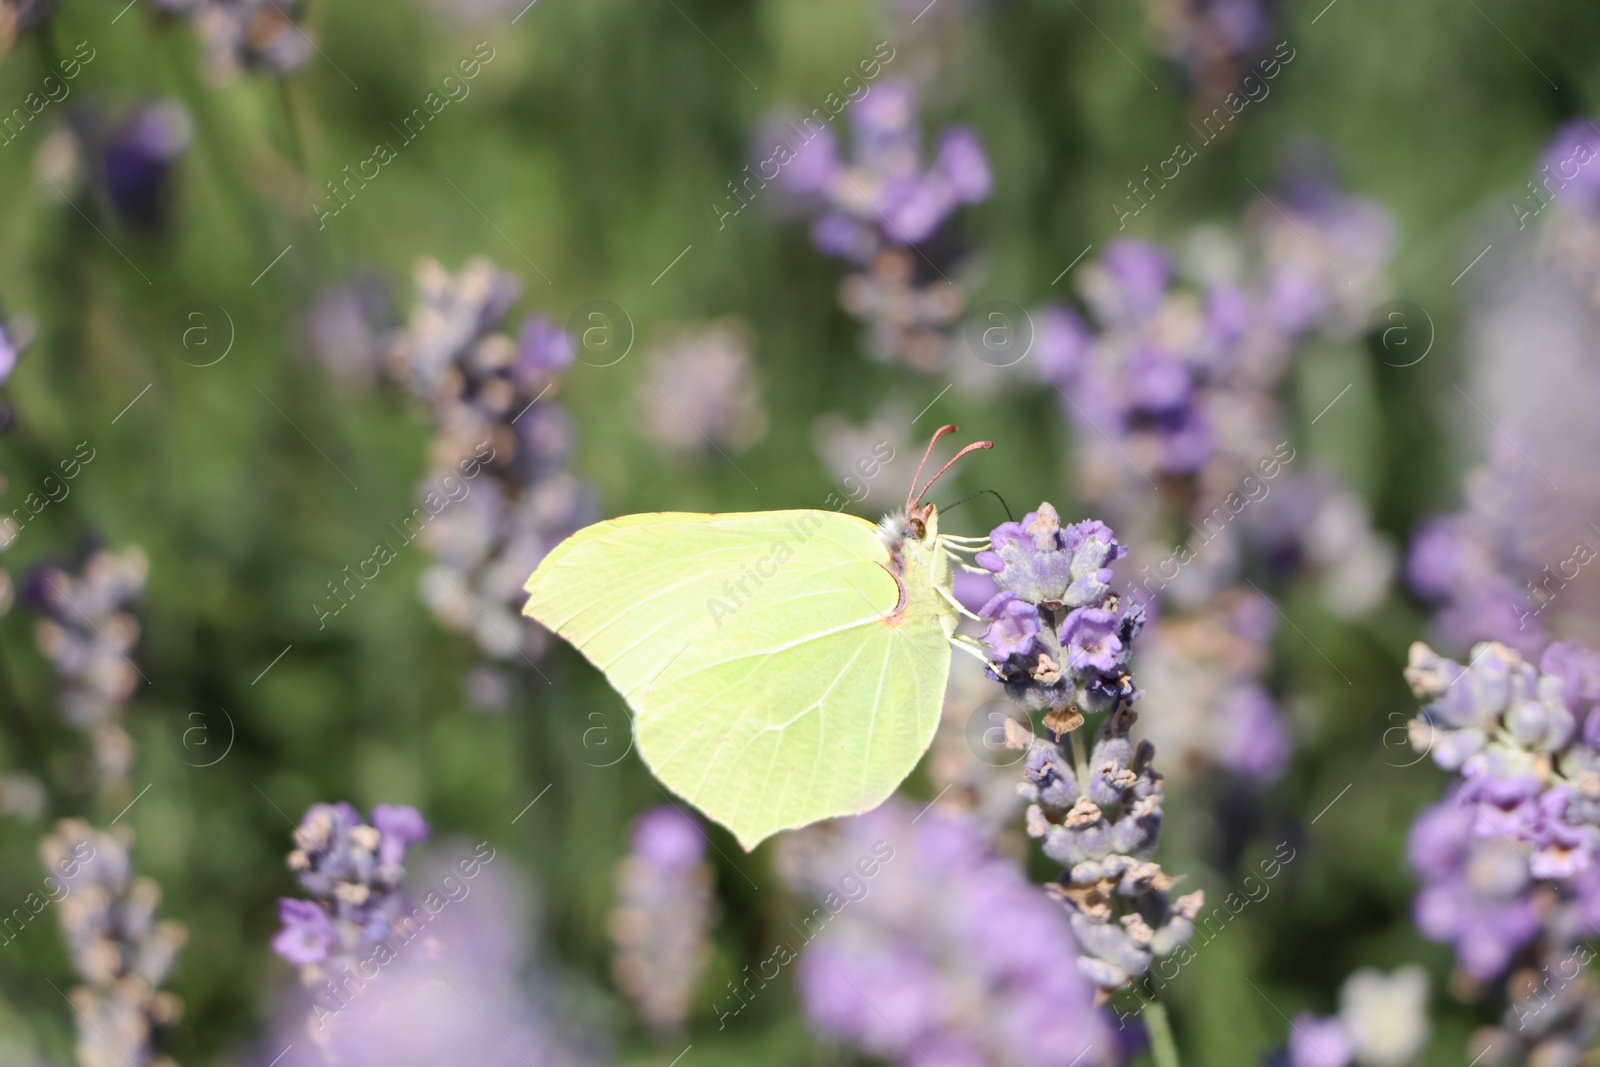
(782,666)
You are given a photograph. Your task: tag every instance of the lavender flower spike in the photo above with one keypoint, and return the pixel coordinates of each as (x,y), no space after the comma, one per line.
(1508,863)
(1101,821)
(88,632)
(353,871)
(499,495)
(1512,731)
(120,952)
(1059,640)
(662,919)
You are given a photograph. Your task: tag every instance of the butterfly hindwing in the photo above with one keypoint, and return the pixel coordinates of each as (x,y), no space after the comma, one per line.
(772,681)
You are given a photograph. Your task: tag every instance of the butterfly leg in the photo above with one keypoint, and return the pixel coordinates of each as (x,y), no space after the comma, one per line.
(972,648)
(960,607)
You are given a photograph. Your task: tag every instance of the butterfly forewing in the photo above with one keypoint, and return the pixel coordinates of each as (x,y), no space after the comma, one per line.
(771,679)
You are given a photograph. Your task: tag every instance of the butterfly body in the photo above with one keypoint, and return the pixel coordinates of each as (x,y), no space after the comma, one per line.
(782,667)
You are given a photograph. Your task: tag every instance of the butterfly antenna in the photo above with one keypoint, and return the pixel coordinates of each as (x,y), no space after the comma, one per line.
(973,447)
(913,496)
(951,507)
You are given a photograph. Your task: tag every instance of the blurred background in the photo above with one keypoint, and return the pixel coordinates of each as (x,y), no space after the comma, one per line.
(341,316)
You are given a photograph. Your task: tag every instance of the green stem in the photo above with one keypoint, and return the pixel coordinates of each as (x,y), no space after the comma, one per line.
(291,119)
(1080,761)
(1162,1048)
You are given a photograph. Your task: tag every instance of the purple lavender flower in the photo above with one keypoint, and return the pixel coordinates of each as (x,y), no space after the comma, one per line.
(1101,821)
(1570,165)
(1177,386)
(962,164)
(1475,890)
(815,164)
(660,925)
(1045,563)
(843,237)
(1013,629)
(1059,643)
(701,393)
(457,990)
(872,208)
(666,838)
(1315,1042)
(543,349)
(399,827)
(349,327)
(1128,283)
(1507,728)
(1060,345)
(118,949)
(8,354)
(1508,862)
(884,187)
(244,35)
(353,871)
(1202,669)
(1382,1022)
(925,944)
(307,935)
(137,162)
(1070,655)
(960,175)
(88,632)
(500,453)
(1089,638)
(885,128)
(1159,383)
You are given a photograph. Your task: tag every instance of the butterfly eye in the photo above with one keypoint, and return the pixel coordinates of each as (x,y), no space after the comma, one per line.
(918,527)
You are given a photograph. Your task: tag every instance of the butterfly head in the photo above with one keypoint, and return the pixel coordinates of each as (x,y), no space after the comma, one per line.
(918,523)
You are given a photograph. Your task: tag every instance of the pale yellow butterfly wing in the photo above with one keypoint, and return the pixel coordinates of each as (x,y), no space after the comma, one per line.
(772,679)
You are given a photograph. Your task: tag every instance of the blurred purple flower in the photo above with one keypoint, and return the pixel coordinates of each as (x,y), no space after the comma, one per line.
(1315,1042)
(349,327)
(1061,341)
(137,162)
(943,951)
(353,872)
(462,993)
(399,826)
(119,951)
(660,925)
(668,839)
(8,354)
(1255,743)
(1572,163)
(701,393)
(544,349)
(307,935)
